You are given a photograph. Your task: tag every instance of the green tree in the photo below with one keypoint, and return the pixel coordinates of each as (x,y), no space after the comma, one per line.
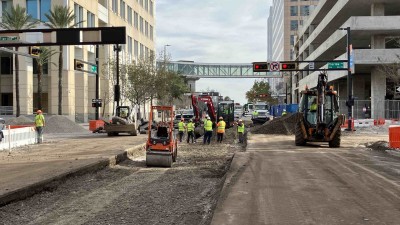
(42,60)
(61,17)
(17,19)
(260,92)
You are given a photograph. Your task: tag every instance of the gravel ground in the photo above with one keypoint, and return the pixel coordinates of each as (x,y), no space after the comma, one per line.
(131,193)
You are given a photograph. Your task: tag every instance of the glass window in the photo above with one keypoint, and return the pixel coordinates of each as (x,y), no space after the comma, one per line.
(90,19)
(141,53)
(294,24)
(136,20)
(291,39)
(122,9)
(45,7)
(129,15)
(294,11)
(6,65)
(141,24)
(293,0)
(6,5)
(136,49)
(392,42)
(146,28)
(305,10)
(151,7)
(146,5)
(129,45)
(78,14)
(141,3)
(32,8)
(114,6)
(151,32)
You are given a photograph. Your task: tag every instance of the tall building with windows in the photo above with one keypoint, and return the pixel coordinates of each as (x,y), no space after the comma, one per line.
(138,16)
(285,19)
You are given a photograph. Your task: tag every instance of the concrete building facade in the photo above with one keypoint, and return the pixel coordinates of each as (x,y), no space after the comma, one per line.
(285,18)
(138,16)
(375,35)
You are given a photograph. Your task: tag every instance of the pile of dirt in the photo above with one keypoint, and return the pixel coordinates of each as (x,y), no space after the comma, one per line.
(21,120)
(284,125)
(61,124)
(378,146)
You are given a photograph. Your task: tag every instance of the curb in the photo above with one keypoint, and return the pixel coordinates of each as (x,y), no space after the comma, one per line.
(53,182)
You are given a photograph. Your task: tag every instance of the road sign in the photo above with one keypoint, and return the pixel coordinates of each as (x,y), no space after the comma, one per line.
(335,65)
(9,38)
(274,66)
(397,89)
(351,61)
(94,69)
(311,65)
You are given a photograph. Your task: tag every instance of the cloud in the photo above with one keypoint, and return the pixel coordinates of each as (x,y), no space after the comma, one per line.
(214,31)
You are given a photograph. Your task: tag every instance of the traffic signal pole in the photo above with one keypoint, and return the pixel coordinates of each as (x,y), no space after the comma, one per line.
(97,82)
(349,81)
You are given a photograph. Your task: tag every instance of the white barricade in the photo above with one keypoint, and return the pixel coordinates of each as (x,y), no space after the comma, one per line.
(17,137)
(364,123)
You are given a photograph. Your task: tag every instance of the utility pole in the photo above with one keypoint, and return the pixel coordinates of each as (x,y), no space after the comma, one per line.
(117,90)
(97,83)
(350,100)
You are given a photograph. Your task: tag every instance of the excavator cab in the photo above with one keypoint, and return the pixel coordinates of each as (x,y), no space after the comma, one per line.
(319,119)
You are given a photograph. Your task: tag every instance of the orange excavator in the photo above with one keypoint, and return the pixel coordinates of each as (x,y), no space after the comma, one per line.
(161,145)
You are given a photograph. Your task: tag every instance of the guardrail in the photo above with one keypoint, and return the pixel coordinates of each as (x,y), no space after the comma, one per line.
(15,137)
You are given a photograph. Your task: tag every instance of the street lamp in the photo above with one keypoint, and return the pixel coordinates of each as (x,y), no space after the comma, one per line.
(165,53)
(350,101)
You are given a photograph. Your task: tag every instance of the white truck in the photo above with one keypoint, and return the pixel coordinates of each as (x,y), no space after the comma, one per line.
(260,114)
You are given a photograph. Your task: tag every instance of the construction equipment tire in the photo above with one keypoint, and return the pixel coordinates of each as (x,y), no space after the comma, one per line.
(335,142)
(299,138)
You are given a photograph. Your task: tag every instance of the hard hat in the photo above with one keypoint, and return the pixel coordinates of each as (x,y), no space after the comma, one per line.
(207,117)
(190,120)
(221,118)
(240,120)
(39,111)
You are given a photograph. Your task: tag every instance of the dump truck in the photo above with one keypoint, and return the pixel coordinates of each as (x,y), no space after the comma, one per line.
(161,144)
(319,122)
(122,122)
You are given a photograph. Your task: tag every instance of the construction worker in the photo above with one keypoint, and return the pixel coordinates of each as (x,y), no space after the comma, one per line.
(207,130)
(39,123)
(190,131)
(240,130)
(284,112)
(313,111)
(313,107)
(220,129)
(181,129)
(255,114)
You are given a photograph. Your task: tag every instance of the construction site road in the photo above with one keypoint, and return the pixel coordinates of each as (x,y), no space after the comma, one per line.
(276,182)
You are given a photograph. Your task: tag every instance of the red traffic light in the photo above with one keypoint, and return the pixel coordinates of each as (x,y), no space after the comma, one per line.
(260,67)
(289,66)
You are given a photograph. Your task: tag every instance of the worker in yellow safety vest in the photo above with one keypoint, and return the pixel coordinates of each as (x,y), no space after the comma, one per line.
(220,129)
(240,130)
(181,129)
(313,110)
(284,112)
(190,131)
(208,129)
(255,114)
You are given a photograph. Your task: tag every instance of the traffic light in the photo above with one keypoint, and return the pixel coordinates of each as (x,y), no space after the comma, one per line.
(34,50)
(289,66)
(260,67)
(78,65)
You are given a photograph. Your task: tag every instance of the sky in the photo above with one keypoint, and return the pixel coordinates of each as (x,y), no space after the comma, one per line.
(214,31)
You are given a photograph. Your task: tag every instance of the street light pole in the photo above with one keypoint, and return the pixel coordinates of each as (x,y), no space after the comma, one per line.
(349,102)
(165,53)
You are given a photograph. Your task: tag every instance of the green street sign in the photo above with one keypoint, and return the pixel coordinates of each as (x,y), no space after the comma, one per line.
(9,38)
(94,69)
(335,65)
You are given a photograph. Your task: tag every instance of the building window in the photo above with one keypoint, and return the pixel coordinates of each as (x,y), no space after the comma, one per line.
(293,0)
(141,53)
(151,32)
(6,65)
(294,11)
(151,7)
(294,25)
(136,49)
(146,29)
(90,19)
(37,8)
(78,15)
(146,5)
(129,45)
(304,10)
(392,42)
(291,39)
(136,20)
(6,5)
(114,6)
(141,2)
(129,15)
(122,9)
(141,24)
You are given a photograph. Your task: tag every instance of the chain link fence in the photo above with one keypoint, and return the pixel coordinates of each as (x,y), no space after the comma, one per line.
(362,109)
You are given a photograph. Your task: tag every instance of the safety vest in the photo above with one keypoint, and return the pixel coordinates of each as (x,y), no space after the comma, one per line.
(181,126)
(190,126)
(39,120)
(255,113)
(208,125)
(240,128)
(313,107)
(221,126)
(283,113)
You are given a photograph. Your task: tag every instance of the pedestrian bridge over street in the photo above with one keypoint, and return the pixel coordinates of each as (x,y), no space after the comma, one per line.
(217,70)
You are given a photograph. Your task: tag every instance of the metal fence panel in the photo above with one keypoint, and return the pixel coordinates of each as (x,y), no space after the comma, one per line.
(392,109)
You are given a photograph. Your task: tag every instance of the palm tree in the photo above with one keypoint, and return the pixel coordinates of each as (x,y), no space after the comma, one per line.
(17,19)
(61,17)
(44,56)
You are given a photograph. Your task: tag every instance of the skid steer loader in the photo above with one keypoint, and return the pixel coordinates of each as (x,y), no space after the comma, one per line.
(161,145)
(320,122)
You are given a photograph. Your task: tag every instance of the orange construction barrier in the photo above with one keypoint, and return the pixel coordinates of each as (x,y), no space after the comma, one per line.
(394,136)
(94,124)
(346,124)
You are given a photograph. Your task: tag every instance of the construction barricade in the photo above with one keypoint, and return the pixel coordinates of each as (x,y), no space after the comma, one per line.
(394,136)
(15,137)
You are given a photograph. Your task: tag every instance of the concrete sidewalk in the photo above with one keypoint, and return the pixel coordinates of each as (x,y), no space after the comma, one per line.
(30,169)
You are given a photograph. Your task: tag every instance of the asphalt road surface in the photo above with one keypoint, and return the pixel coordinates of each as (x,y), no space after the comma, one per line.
(280,183)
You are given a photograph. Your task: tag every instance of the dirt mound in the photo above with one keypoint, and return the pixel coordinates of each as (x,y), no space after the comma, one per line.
(378,146)
(61,124)
(284,125)
(21,120)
